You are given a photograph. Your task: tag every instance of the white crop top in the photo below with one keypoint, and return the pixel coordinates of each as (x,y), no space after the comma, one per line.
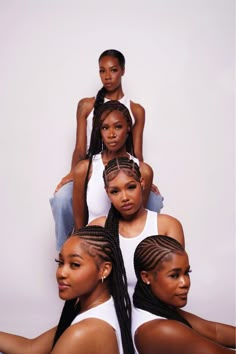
(105,312)
(124,100)
(128,246)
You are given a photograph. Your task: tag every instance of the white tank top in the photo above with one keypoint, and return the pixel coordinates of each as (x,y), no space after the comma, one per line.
(97,200)
(128,246)
(124,100)
(107,313)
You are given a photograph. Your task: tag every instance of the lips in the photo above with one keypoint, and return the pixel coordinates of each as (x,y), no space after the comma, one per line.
(127,206)
(63,286)
(183,296)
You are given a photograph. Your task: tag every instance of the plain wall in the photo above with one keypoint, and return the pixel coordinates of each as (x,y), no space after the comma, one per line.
(181,67)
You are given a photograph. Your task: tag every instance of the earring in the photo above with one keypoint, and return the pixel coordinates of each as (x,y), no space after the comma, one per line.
(148,282)
(103,279)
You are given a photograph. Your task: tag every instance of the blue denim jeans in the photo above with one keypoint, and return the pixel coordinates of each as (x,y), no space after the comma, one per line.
(61,205)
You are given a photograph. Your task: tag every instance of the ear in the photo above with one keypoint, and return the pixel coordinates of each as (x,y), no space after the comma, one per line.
(123,72)
(105,269)
(145,276)
(142,182)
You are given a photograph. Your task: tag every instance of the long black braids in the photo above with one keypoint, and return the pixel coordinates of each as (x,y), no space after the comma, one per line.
(96,143)
(103,245)
(100,97)
(148,254)
(114,166)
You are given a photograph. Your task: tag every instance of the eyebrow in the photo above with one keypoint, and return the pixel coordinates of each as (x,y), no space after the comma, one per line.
(73,255)
(178,269)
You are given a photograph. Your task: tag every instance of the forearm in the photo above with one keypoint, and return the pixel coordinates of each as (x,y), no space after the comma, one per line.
(13,344)
(226,335)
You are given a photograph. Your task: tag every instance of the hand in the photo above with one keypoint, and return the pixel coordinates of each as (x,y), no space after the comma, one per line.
(68,178)
(155,189)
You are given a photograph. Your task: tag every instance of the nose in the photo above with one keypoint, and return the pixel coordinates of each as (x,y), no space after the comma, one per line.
(124,196)
(62,272)
(184,281)
(112,133)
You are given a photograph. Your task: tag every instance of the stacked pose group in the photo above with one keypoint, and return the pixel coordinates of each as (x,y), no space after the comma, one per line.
(123,270)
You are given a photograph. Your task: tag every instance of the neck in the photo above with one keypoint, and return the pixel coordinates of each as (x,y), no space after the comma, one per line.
(93,300)
(109,155)
(116,95)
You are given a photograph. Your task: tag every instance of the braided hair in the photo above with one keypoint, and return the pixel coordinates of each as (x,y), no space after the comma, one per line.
(100,97)
(106,248)
(96,143)
(150,252)
(114,166)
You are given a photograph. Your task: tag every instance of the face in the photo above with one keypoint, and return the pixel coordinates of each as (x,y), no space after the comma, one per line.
(170,281)
(78,273)
(114,131)
(125,193)
(110,73)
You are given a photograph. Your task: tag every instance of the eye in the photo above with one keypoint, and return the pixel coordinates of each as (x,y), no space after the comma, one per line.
(75,265)
(114,70)
(101,71)
(113,191)
(59,262)
(174,275)
(118,126)
(104,127)
(188,272)
(132,186)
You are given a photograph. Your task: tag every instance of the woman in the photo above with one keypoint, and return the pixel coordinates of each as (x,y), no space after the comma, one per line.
(112,135)
(111,70)
(159,324)
(128,220)
(92,279)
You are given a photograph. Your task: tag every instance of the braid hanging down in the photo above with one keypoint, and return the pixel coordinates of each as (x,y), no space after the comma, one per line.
(149,253)
(106,248)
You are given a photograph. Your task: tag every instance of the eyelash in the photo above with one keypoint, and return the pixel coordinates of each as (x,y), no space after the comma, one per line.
(76,265)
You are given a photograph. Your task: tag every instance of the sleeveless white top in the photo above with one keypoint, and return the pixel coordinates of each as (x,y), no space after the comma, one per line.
(124,100)
(107,313)
(128,246)
(97,200)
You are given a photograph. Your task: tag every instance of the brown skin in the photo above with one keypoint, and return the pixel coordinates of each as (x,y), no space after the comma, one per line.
(132,221)
(110,71)
(170,282)
(75,264)
(114,131)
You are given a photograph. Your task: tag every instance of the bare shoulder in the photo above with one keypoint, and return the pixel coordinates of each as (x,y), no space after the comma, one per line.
(173,337)
(79,336)
(85,106)
(98,221)
(81,167)
(170,226)
(145,168)
(136,108)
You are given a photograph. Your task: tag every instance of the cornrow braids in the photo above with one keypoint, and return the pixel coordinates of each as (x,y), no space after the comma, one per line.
(113,167)
(103,245)
(125,164)
(149,253)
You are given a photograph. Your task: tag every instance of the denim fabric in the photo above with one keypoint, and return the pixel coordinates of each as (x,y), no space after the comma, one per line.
(61,205)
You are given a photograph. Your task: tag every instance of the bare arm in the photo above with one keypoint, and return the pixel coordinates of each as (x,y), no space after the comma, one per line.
(173,337)
(79,198)
(170,226)
(13,344)
(218,332)
(137,130)
(99,221)
(90,336)
(84,107)
(147,174)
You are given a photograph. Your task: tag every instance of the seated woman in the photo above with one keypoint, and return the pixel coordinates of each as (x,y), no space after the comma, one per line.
(128,220)
(111,137)
(159,324)
(111,70)
(96,318)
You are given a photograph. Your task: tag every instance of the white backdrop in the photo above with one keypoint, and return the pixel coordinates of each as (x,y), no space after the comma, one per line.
(180,66)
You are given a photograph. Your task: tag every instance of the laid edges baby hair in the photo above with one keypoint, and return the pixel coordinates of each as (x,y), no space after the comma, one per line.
(147,255)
